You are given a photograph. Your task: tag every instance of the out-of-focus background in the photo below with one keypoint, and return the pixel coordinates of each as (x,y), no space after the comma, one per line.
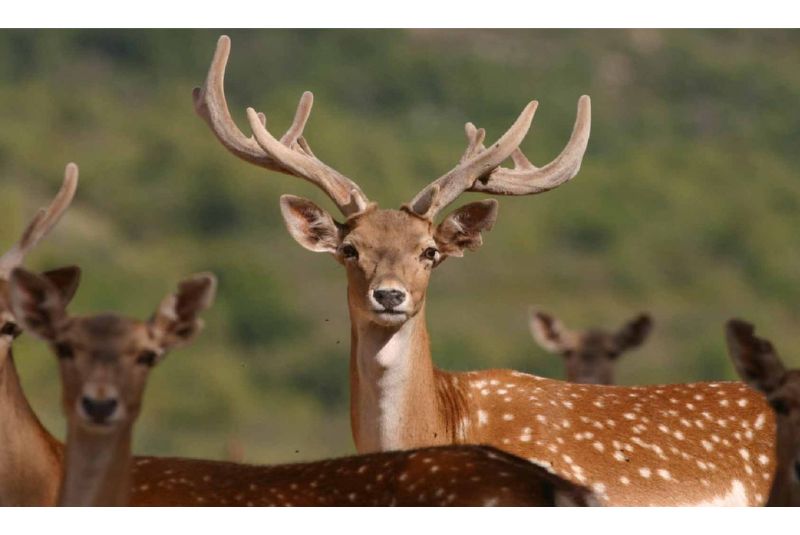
(687,204)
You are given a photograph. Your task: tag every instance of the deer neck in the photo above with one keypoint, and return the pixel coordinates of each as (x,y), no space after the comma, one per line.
(97,468)
(30,458)
(395,400)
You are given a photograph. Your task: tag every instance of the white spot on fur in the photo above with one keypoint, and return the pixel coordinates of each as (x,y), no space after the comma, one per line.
(508,417)
(664,474)
(759,423)
(483,417)
(742,402)
(644,472)
(763,459)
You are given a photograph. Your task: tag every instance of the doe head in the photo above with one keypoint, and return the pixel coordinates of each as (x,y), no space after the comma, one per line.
(589,355)
(104,360)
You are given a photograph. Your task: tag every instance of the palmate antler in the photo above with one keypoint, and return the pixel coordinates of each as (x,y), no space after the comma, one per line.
(42,223)
(479,168)
(290,155)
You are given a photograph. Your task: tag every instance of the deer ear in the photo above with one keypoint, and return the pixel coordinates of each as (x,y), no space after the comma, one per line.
(549,332)
(177,319)
(633,333)
(311,226)
(36,303)
(463,227)
(66,281)
(755,359)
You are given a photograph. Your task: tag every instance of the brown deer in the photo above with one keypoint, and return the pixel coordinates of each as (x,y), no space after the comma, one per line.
(590,355)
(661,445)
(760,366)
(104,363)
(30,458)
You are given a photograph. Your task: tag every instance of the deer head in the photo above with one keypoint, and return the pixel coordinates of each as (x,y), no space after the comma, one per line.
(589,355)
(389,254)
(105,359)
(760,366)
(64,279)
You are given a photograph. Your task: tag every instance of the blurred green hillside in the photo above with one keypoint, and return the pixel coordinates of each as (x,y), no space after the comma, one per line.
(687,205)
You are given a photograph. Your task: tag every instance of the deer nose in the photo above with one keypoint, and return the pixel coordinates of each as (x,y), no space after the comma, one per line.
(98,409)
(389,298)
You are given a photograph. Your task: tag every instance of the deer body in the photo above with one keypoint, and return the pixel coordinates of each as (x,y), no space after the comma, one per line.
(452,476)
(30,457)
(690,444)
(398,397)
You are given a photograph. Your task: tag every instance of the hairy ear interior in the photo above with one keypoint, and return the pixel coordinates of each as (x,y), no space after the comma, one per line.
(634,333)
(36,303)
(177,319)
(548,332)
(755,359)
(66,281)
(311,226)
(461,230)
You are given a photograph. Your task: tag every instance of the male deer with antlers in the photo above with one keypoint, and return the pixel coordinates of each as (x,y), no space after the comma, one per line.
(662,445)
(30,458)
(760,366)
(589,355)
(104,363)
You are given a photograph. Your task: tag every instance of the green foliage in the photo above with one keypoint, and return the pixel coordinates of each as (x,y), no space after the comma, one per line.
(687,204)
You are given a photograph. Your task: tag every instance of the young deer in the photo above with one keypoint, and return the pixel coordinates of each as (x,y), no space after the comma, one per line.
(760,366)
(590,355)
(663,445)
(30,458)
(104,365)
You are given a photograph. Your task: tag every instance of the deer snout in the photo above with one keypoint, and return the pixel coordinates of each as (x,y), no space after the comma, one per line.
(99,410)
(388,298)
(99,405)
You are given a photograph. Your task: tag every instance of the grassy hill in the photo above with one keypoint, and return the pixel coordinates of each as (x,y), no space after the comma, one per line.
(686,204)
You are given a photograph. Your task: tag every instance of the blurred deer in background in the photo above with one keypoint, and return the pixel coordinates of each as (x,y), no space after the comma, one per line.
(30,458)
(760,366)
(589,355)
(633,446)
(104,363)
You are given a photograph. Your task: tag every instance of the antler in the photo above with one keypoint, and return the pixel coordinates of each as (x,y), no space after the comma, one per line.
(479,168)
(290,155)
(42,223)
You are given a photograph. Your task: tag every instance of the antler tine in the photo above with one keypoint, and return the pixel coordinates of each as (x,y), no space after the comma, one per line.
(476,162)
(527,179)
(42,223)
(291,155)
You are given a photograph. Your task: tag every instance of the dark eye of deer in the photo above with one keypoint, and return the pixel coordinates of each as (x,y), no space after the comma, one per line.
(430,253)
(10,329)
(64,351)
(146,358)
(348,251)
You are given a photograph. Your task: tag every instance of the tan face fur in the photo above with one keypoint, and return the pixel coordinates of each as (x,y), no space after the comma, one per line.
(388,254)
(760,366)
(104,360)
(589,356)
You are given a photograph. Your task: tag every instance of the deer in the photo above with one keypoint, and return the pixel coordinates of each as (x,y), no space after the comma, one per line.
(759,365)
(104,363)
(675,444)
(30,457)
(589,355)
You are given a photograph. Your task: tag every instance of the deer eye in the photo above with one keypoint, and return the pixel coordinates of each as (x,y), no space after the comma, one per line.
(64,351)
(431,253)
(10,329)
(348,251)
(146,358)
